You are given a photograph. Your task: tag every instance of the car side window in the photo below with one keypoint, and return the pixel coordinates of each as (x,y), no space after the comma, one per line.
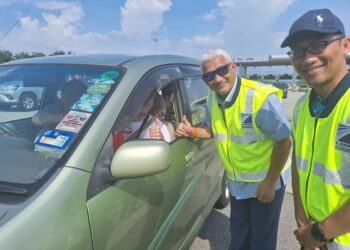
(197,92)
(149,112)
(153,99)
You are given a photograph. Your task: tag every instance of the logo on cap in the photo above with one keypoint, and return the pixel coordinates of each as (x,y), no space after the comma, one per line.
(319,19)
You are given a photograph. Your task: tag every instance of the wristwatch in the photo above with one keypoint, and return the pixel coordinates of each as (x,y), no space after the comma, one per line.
(318,234)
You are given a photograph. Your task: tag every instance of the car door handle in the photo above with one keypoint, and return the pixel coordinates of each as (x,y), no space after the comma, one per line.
(189,156)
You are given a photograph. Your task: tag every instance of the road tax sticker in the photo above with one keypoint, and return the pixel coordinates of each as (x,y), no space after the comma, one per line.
(55,139)
(98,89)
(88,102)
(73,121)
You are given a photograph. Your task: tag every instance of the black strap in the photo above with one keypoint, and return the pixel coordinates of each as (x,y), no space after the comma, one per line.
(142,126)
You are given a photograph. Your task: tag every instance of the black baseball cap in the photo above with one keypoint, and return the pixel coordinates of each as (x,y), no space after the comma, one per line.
(319,21)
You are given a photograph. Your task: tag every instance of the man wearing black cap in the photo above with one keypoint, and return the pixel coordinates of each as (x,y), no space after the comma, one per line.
(321,130)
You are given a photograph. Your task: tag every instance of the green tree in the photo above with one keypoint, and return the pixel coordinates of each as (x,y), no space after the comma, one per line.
(21,55)
(37,54)
(57,52)
(5,56)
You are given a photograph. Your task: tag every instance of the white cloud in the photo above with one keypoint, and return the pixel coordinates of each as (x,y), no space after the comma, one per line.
(205,41)
(139,18)
(58,29)
(61,22)
(211,15)
(65,24)
(247,27)
(246,30)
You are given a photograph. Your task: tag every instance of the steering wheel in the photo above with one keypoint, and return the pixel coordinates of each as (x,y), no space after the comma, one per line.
(7,130)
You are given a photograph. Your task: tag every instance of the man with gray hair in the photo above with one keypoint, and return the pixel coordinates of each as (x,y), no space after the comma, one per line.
(252,136)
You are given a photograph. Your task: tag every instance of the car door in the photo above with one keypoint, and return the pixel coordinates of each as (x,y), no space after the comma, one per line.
(139,213)
(206,171)
(209,159)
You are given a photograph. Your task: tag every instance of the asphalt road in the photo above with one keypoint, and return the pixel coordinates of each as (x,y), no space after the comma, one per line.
(215,233)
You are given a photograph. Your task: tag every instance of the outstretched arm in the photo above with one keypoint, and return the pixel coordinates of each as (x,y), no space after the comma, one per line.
(185,129)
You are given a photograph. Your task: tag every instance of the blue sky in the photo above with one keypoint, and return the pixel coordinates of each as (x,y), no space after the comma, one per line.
(245,28)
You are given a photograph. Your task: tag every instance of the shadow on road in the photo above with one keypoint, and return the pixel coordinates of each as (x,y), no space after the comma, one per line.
(218,233)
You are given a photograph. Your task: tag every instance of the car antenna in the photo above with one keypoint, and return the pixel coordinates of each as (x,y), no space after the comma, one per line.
(5,35)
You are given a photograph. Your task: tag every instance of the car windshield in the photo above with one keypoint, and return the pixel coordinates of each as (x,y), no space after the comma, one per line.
(44,109)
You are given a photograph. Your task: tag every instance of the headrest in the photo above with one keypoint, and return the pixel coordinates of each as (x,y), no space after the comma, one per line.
(71,92)
(159,106)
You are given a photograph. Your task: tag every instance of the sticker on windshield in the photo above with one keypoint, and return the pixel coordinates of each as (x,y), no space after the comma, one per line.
(110,75)
(73,121)
(55,139)
(100,87)
(88,102)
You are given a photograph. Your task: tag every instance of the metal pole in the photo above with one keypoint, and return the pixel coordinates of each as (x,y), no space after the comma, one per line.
(155,40)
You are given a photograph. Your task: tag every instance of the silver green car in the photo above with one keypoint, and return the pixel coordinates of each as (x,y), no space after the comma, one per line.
(78,174)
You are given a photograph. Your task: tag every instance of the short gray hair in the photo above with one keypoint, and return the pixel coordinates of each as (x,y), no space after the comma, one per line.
(214,53)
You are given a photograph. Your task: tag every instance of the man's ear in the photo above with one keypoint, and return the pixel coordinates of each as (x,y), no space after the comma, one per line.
(234,67)
(346,45)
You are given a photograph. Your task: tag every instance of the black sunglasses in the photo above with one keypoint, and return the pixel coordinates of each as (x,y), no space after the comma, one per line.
(221,71)
(314,49)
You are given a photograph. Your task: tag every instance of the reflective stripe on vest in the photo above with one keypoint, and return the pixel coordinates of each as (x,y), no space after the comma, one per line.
(296,109)
(249,101)
(248,139)
(302,163)
(329,176)
(337,246)
(220,137)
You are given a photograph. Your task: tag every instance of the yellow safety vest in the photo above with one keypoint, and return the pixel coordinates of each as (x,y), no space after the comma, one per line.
(322,149)
(244,149)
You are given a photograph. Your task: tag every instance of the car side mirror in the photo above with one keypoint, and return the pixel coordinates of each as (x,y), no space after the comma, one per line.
(141,158)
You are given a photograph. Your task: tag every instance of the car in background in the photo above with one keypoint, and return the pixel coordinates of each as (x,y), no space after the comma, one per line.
(14,93)
(303,87)
(77,175)
(283,86)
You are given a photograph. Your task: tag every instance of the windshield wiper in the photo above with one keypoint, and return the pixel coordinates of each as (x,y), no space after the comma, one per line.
(13,190)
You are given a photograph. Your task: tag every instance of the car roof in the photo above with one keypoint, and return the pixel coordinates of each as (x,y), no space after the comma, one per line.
(107,60)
